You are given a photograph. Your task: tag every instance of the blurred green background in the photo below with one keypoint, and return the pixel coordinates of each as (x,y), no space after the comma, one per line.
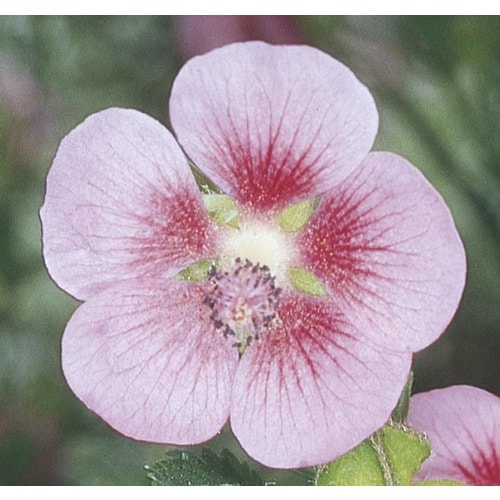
(436,81)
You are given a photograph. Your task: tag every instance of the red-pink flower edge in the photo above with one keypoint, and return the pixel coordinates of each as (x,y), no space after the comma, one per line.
(463,426)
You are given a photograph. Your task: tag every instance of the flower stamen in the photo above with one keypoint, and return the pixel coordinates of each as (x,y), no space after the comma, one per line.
(244,300)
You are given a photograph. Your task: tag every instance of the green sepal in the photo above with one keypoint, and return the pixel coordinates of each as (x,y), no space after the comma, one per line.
(181,468)
(439,482)
(359,467)
(306,282)
(197,271)
(294,217)
(400,413)
(406,450)
(390,457)
(222,209)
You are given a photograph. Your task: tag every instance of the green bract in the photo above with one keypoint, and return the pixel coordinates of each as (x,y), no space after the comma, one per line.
(306,282)
(197,271)
(390,457)
(222,209)
(295,216)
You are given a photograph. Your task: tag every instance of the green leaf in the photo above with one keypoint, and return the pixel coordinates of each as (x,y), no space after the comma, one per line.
(306,282)
(222,209)
(181,468)
(439,482)
(296,216)
(234,471)
(197,271)
(405,450)
(390,457)
(359,467)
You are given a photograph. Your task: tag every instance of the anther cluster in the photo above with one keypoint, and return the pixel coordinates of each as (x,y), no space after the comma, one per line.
(243,300)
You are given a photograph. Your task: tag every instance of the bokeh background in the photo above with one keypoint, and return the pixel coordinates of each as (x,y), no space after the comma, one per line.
(436,81)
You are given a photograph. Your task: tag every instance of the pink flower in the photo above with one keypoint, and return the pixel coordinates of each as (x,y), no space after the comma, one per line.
(463,426)
(303,377)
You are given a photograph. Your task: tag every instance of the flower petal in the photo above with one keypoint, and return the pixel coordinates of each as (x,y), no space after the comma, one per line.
(272,125)
(463,426)
(120,203)
(312,388)
(385,245)
(144,356)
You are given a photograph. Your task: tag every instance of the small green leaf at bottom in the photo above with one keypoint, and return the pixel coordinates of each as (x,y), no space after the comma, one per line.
(181,468)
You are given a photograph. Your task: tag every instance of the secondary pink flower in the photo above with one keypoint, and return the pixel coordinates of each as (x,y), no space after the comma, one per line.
(158,357)
(463,426)
(196,35)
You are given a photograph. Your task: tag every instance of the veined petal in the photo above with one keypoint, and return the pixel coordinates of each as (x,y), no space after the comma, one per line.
(272,125)
(313,388)
(463,426)
(120,203)
(143,355)
(385,245)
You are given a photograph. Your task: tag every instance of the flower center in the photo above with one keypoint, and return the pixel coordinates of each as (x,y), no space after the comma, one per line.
(260,244)
(243,300)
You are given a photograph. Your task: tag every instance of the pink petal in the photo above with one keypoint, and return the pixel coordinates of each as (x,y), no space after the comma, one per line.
(120,203)
(272,125)
(144,357)
(313,388)
(463,426)
(385,245)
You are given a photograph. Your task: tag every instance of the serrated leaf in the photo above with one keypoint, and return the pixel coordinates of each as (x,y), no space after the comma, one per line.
(294,217)
(306,282)
(222,209)
(227,465)
(390,457)
(181,468)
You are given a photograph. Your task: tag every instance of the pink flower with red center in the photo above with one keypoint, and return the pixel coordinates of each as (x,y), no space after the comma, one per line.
(463,426)
(304,373)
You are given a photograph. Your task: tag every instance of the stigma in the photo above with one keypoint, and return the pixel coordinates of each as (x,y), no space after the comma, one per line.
(244,300)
